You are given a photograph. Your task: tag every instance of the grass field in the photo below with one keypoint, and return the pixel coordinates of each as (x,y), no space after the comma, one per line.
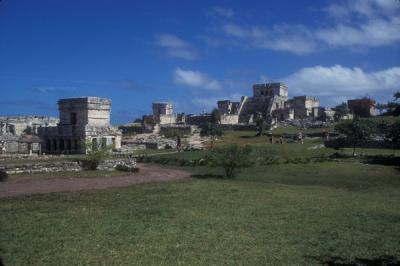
(283,214)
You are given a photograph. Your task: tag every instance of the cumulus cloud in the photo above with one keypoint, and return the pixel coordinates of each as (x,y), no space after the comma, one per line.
(222,12)
(339,81)
(295,38)
(53,90)
(368,23)
(356,23)
(195,79)
(176,47)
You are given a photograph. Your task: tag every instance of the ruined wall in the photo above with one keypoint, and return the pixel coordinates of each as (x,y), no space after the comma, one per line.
(166,119)
(162,108)
(94,111)
(181,129)
(229,119)
(81,120)
(198,119)
(270,90)
(47,167)
(18,124)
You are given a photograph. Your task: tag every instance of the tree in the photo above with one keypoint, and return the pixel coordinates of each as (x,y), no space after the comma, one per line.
(95,154)
(392,107)
(28,130)
(396,96)
(231,157)
(260,125)
(381,107)
(341,110)
(216,116)
(356,130)
(394,131)
(211,130)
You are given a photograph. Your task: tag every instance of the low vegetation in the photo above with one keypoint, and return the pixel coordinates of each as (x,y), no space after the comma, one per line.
(298,204)
(95,154)
(230,158)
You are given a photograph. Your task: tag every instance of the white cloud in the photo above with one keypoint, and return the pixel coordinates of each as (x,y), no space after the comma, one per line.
(176,47)
(338,81)
(363,23)
(195,79)
(374,33)
(222,12)
(53,90)
(356,24)
(295,39)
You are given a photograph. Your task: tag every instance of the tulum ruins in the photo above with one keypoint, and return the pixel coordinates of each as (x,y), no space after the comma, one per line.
(87,120)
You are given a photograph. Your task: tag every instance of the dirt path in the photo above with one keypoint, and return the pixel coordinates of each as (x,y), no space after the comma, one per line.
(147,174)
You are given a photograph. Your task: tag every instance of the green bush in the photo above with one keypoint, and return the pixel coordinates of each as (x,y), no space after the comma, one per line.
(94,155)
(230,157)
(125,168)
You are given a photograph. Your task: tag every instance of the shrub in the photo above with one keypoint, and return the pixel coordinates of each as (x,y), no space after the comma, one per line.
(3,175)
(211,130)
(357,130)
(230,158)
(125,168)
(94,155)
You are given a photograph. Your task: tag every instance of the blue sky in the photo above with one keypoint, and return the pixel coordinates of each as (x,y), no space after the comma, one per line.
(193,52)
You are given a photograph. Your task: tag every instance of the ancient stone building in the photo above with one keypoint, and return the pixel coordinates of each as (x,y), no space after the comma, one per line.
(17,125)
(24,144)
(82,120)
(364,107)
(163,113)
(228,107)
(267,98)
(229,112)
(269,101)
(303,106)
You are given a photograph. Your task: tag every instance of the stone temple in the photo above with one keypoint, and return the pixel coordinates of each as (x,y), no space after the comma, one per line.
(82,120)
(269,101)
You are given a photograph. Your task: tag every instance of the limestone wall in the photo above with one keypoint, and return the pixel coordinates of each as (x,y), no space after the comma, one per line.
(17,124)
(45,167)
(94,111)
(229,119)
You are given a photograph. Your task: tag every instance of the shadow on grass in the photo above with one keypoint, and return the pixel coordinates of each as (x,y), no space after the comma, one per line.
(250,137)
(337,260)
(208,176)
(390,160)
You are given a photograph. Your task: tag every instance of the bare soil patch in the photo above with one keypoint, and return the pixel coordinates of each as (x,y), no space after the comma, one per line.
(147,174)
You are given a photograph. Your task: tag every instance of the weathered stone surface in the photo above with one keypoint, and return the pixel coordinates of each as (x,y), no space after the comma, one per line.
(44,167)
(16,125)
(82,120)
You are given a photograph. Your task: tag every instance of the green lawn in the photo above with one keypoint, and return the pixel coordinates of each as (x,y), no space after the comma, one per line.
(282,214)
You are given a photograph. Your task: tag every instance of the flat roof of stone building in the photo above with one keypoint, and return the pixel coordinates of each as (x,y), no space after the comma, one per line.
(86,99)
(272,84)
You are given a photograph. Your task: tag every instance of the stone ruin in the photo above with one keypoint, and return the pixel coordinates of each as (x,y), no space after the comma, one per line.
(18,125)
(269,101)
(18,133)
(82,120)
